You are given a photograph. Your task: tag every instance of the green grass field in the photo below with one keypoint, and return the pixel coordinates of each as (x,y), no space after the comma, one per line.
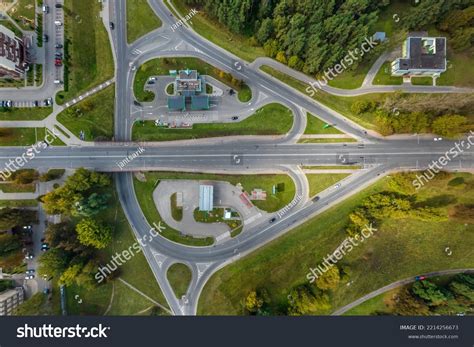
(320,182)
(400,248)
(162,66)
(422,81)
(459,70)
(88,54)
(179,276)
(219,34)
(272,119)
(27,113)
(315,125)
(20,136)
(332,167)
(140,19)
(144,193)
(93,115)
(335,140)
(18,203)
(24,14)
(383,76)
(17,188)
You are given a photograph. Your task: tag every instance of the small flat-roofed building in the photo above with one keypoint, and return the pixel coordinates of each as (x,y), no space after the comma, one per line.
(10,300)
(13,62)
(422,56)
(206,197)
(189,88)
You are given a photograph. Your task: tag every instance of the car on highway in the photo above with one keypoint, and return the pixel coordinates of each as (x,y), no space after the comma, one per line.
(420,278)
(272,220)
(316,198)
(337,186)
(438,138)
(235,118)
(112,26)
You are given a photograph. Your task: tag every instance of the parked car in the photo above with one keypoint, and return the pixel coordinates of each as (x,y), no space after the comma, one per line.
(44,246)
(58,55)
(58,45)
(58,23)
(46,291)
(45,8)
(45,38)
(48,102)
(36,103)
(9,103)
(58,5)
(235,118)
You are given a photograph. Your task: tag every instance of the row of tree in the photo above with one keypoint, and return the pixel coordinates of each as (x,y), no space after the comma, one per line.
(74,242)
(427,298)
(309,35)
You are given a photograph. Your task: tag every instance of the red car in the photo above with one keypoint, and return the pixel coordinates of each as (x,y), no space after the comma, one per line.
(420,278)
(58,62)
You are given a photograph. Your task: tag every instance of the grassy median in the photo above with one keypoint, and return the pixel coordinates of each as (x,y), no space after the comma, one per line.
(140,19)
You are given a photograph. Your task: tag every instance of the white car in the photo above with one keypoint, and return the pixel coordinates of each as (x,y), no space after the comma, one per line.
(438,138)
(29,277)
(337,186)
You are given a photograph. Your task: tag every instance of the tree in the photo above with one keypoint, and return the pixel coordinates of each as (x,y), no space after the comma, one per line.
(68,277)
(25,176)
(64,236)
(429,292)
(53,262)
(92,205)
(408,305)
(281,57)
(265,31)
(253,302)
(9,243)
(83,180)
(449,125)
(329,279)
(302,302)
(92,233)
(12,217)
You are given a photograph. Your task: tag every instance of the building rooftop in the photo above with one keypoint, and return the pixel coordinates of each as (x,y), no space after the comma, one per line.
(206,197)
(424,53)
(12,54)
(200,102)
(176,103)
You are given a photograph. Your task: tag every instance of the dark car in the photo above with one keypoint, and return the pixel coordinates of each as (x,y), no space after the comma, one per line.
(58,45)
(112,26)
(235,118)
(45,38)
(36,103)
(316,198)
(58,5)
(273,220)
